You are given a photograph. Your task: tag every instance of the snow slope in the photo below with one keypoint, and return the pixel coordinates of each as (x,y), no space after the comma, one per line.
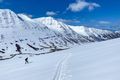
(95,61)
(99,61)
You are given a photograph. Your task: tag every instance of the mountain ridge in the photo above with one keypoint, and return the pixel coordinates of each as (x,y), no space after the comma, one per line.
(42,35)
(93,33)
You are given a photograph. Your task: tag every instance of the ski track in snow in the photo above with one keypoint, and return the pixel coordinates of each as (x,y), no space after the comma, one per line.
(58,74)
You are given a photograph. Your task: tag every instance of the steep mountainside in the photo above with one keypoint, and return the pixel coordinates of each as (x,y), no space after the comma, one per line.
(20,34)
(91,34)
(63,29)
(95,34)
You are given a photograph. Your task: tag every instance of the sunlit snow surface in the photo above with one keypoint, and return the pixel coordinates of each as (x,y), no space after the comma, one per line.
(95,61)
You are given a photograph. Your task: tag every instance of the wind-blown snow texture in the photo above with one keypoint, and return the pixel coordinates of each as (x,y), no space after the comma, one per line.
(95,61)
(21,34)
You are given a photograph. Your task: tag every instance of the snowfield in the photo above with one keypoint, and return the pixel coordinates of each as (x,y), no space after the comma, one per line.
(95,61)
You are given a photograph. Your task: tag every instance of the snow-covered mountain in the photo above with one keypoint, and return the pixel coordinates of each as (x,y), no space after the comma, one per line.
(63,29)
(95,34)
(91,34)
(21,34)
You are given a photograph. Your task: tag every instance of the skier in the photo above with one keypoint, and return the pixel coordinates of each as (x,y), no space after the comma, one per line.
(26,60)
(18,48)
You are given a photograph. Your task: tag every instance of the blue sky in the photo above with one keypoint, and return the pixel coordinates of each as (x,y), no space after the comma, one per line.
(76,12)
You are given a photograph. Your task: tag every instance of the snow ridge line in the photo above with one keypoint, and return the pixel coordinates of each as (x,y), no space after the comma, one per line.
(60,65)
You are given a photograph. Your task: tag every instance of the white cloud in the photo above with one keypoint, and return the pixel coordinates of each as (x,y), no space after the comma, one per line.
(68,21)
(50,13)
(92,6)
(104,22)
(79,5)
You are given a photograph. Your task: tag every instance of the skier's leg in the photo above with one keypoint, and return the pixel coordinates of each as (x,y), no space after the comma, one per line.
(27,62)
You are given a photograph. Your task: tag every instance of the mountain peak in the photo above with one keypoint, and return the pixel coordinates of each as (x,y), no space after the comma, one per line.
(47,20)
(49,17)
(6,10)
(8,18)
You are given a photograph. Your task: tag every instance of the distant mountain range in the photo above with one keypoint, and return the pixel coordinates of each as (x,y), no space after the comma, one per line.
(20,34)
